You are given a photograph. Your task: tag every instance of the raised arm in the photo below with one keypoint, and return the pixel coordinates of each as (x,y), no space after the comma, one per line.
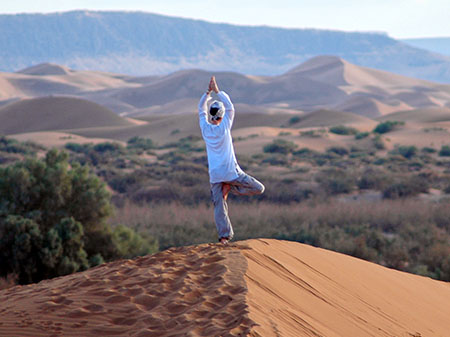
(223,96)
(202,106)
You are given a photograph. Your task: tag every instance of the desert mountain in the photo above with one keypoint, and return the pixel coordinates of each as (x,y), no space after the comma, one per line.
(146,44)
(256,287)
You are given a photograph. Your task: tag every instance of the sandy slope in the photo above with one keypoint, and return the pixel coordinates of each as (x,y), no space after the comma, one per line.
(298,290)
(194,291)
(256,287)
(55,113)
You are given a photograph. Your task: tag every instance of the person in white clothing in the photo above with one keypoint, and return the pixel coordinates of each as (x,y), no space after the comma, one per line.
(225,175)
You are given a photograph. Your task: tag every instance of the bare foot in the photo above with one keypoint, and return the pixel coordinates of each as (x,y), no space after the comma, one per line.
(224,241)
(226,188)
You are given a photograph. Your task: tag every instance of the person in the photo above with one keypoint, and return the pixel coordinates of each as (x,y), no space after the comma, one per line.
(225,175)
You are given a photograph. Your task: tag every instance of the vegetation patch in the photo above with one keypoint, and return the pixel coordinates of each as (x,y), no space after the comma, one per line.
(387,126)
(343,130)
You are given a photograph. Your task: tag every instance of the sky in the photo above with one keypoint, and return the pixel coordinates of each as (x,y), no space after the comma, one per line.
(398,18)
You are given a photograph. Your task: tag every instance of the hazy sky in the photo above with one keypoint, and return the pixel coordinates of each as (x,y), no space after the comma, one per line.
(398,18)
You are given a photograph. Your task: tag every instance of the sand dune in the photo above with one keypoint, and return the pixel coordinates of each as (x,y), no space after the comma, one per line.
(324,91)
(45,69)
(323,82)
(298,290)
(326,118)
(429,115)
(194,291)
(368,106)
(249,288)
(168,128)
(55,113)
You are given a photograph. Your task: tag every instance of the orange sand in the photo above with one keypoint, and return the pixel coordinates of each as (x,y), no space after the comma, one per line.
(250,288)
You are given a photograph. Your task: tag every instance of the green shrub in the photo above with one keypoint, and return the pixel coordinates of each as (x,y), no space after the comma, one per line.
(343,130)
(339,150)
(387,126)
(78,148)
(130,243)
(294,120)
(304,152)
(445,151)
(11,145)
(427,149)
(140,143)
(407,151)
(361,135)
(52,219)
(108,147)
(310,133)
(280,146)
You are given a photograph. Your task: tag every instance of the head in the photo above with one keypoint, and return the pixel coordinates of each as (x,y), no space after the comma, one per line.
(216,112)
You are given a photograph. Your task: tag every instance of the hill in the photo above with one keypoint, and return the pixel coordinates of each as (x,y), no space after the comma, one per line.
(256,287)
(55,113)
(143,43)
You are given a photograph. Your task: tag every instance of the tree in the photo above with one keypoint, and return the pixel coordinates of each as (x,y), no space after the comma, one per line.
(53,219)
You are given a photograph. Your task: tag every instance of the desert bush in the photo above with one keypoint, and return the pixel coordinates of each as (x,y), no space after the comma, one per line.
(140,143)
(280,146)
(427,149)
(406,151)
(312,133)
(405,187)
(130,244)
(304,153)
(445,151)
(113,148)
(361,135)
(78,148)
(373,178)
(336,181)
(378,142)
(294,120)
(339,150)
(11,145)
(387,126)
(343,130)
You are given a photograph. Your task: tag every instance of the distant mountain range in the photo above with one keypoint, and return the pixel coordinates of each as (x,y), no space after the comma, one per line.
(439,45)
(139,43)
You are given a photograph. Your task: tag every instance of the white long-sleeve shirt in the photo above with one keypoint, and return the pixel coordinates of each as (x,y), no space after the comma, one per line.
(222,163)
